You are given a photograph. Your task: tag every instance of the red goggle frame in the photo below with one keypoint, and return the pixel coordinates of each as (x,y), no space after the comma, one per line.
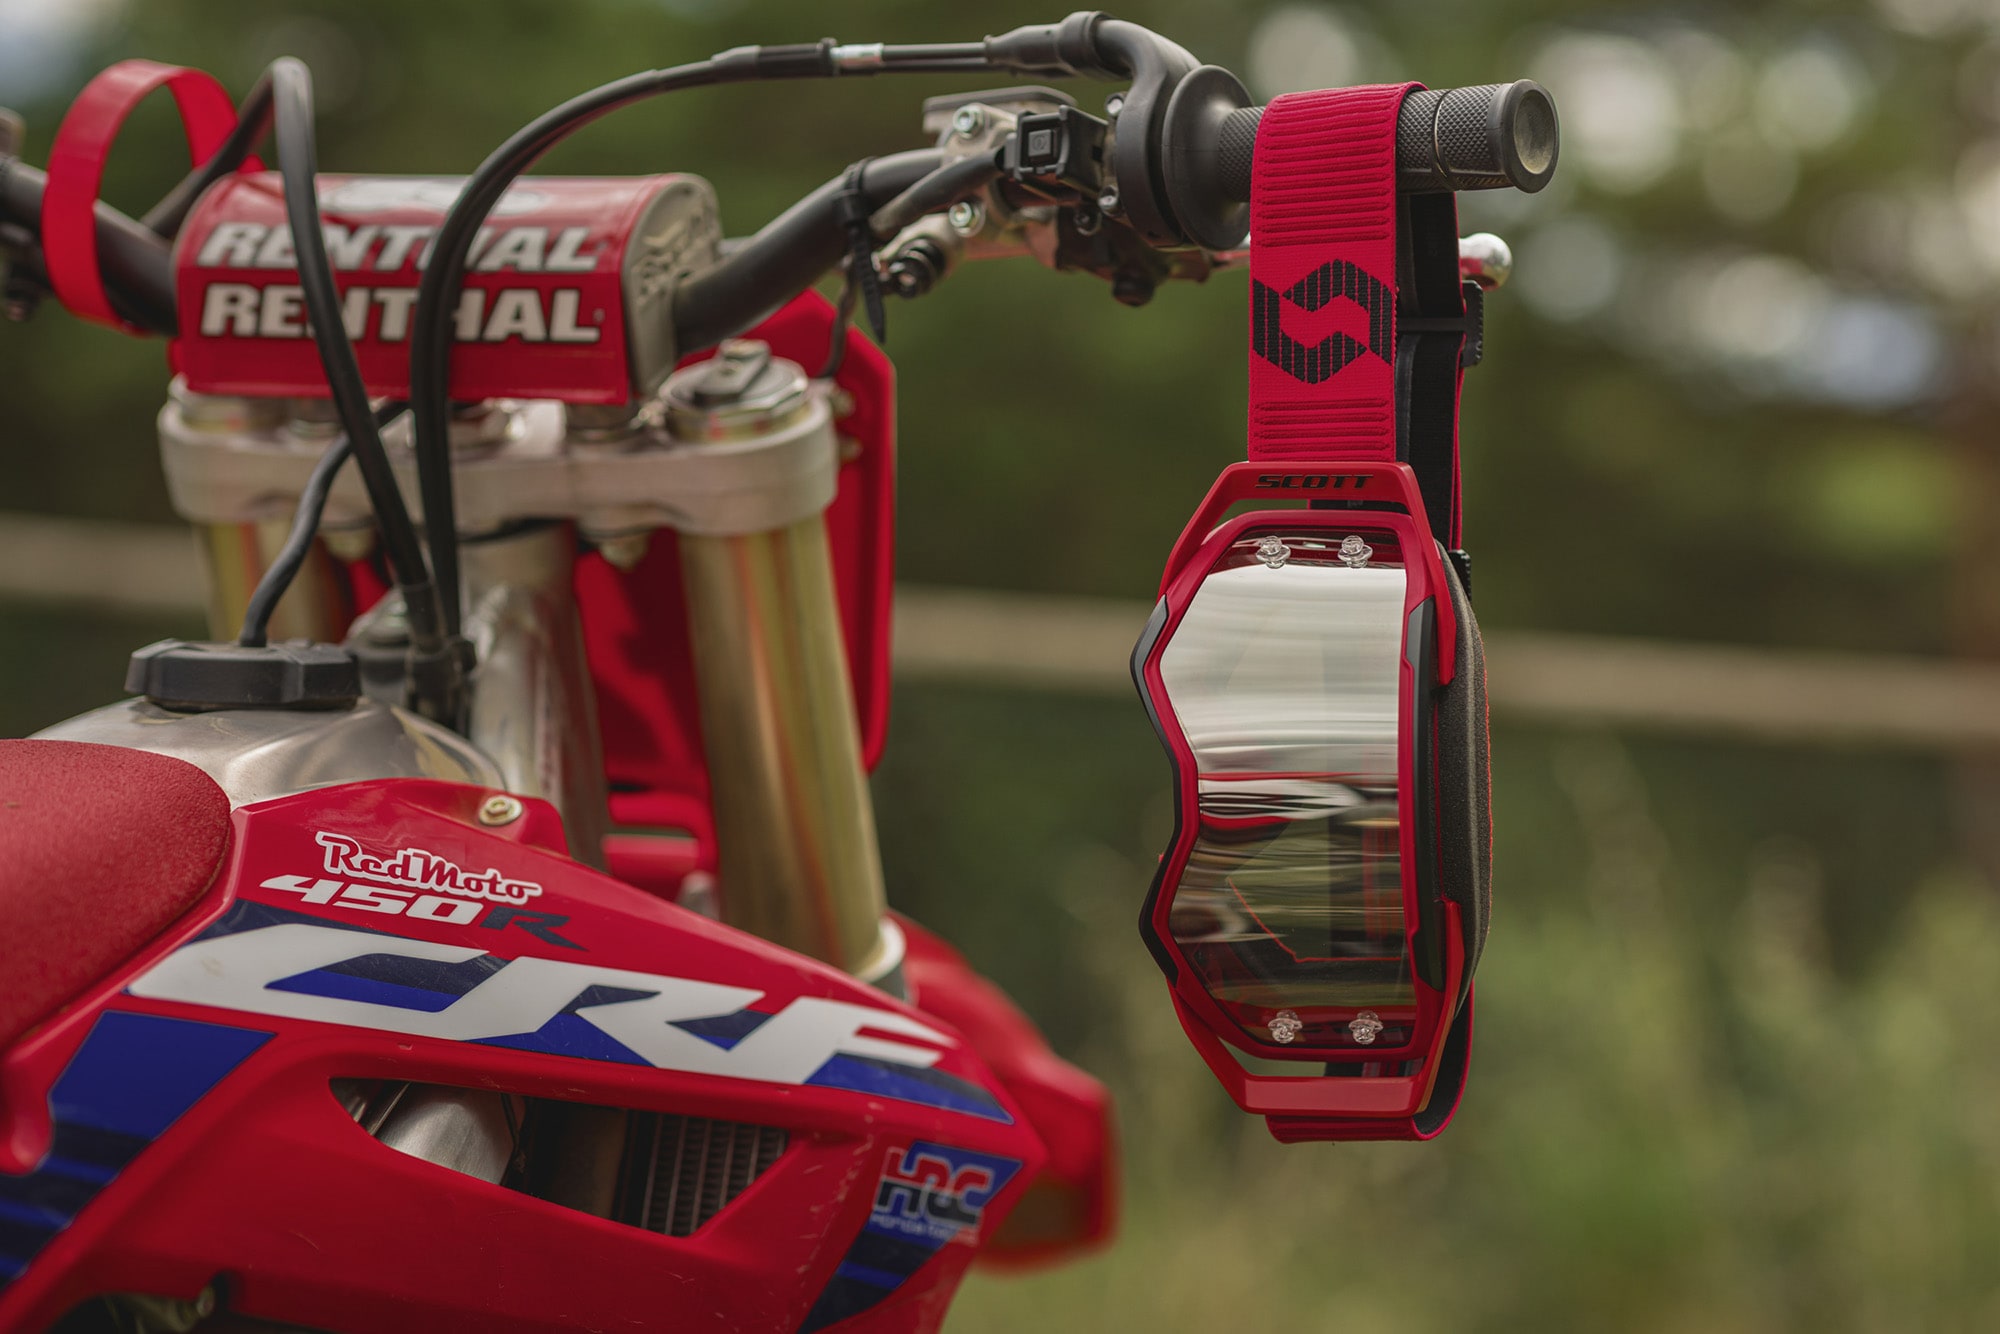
(1298,913)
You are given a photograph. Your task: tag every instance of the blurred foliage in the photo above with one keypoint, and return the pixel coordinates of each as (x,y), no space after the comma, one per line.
(1733,1070)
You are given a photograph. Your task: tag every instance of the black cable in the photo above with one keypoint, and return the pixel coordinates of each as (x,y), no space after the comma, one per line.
(843,318)
(941,189)
(291,87)
(252,119)
(437,298)
(861,250)
(284,568)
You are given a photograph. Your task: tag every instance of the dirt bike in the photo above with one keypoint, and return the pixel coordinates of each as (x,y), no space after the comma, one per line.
(486,930)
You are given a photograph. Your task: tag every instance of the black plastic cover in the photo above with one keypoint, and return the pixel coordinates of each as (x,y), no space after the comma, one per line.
(194,677)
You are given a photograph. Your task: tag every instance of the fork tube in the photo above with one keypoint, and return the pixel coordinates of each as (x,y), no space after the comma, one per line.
(795,828)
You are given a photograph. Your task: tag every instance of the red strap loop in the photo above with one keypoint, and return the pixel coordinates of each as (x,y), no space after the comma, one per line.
(1323,276)
(76,168)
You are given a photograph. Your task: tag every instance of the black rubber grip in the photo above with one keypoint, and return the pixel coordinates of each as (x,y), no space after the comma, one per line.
(1488,137)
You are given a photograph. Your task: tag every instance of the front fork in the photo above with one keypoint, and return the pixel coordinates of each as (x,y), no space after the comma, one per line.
(794,823)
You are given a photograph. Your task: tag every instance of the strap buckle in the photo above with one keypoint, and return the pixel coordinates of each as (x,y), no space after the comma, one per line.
(1471,326)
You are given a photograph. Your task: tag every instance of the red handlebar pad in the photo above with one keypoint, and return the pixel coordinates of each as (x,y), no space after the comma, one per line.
(542,313)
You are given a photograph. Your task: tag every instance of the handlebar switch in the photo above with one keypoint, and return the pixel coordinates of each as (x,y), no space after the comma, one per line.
(1058,153)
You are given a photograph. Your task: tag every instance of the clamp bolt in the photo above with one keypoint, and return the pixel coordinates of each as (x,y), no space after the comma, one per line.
(966,217)
(500,809)
(968,121)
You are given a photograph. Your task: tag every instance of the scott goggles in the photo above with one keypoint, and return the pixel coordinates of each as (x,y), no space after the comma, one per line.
(1315,675)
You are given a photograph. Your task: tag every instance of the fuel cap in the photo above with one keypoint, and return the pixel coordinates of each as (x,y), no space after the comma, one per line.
(191,677)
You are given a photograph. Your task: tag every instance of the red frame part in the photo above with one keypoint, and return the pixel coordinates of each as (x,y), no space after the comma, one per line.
(1395,507)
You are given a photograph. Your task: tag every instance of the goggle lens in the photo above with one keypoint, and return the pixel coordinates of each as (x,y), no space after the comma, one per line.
(1284,675)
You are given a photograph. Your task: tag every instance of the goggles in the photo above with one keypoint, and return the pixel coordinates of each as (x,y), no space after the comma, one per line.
(1315,674)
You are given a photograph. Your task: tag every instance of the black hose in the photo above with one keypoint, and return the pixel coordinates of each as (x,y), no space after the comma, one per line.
(941,189)
(788,255)
(291,87)
(252,119)
(284,568)
(437,300)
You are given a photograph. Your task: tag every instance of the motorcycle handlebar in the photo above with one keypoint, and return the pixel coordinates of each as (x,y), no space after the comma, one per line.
(137,263)
(1480,138)
(1487,137)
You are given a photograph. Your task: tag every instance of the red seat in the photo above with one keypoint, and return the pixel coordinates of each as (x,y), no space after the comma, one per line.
(100,848)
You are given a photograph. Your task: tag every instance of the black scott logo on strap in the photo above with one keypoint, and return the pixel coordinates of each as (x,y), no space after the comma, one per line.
(1323,360)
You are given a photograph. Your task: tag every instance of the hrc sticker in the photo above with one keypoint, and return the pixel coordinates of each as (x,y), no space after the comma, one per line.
(937,1194)
(929,1196)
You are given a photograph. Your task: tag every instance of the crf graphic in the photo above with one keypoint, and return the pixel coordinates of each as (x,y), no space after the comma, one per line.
(1322,360)
(936,1192)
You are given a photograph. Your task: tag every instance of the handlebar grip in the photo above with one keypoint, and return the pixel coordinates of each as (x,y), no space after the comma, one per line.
(1487,137)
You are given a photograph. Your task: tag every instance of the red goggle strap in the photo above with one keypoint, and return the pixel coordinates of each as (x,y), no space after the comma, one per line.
(76,168)
(1357,317)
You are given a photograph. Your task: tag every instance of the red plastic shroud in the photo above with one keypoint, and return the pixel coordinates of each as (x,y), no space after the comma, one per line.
(174,1125)
(1377,1097)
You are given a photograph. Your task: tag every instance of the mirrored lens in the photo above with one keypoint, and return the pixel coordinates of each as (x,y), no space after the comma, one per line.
(1284,677)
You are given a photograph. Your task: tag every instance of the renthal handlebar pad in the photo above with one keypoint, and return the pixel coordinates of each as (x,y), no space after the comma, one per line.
(567,293)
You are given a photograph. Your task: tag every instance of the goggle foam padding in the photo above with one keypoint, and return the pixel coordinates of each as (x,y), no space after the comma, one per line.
(1465,792)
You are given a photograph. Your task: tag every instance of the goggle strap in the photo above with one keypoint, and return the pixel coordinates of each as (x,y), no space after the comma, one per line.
(1328,228)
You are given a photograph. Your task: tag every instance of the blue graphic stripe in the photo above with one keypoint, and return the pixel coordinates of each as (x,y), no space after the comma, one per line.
(58,1165)
(133,1077)
(344,986)
(909,1083)
(873,1277)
